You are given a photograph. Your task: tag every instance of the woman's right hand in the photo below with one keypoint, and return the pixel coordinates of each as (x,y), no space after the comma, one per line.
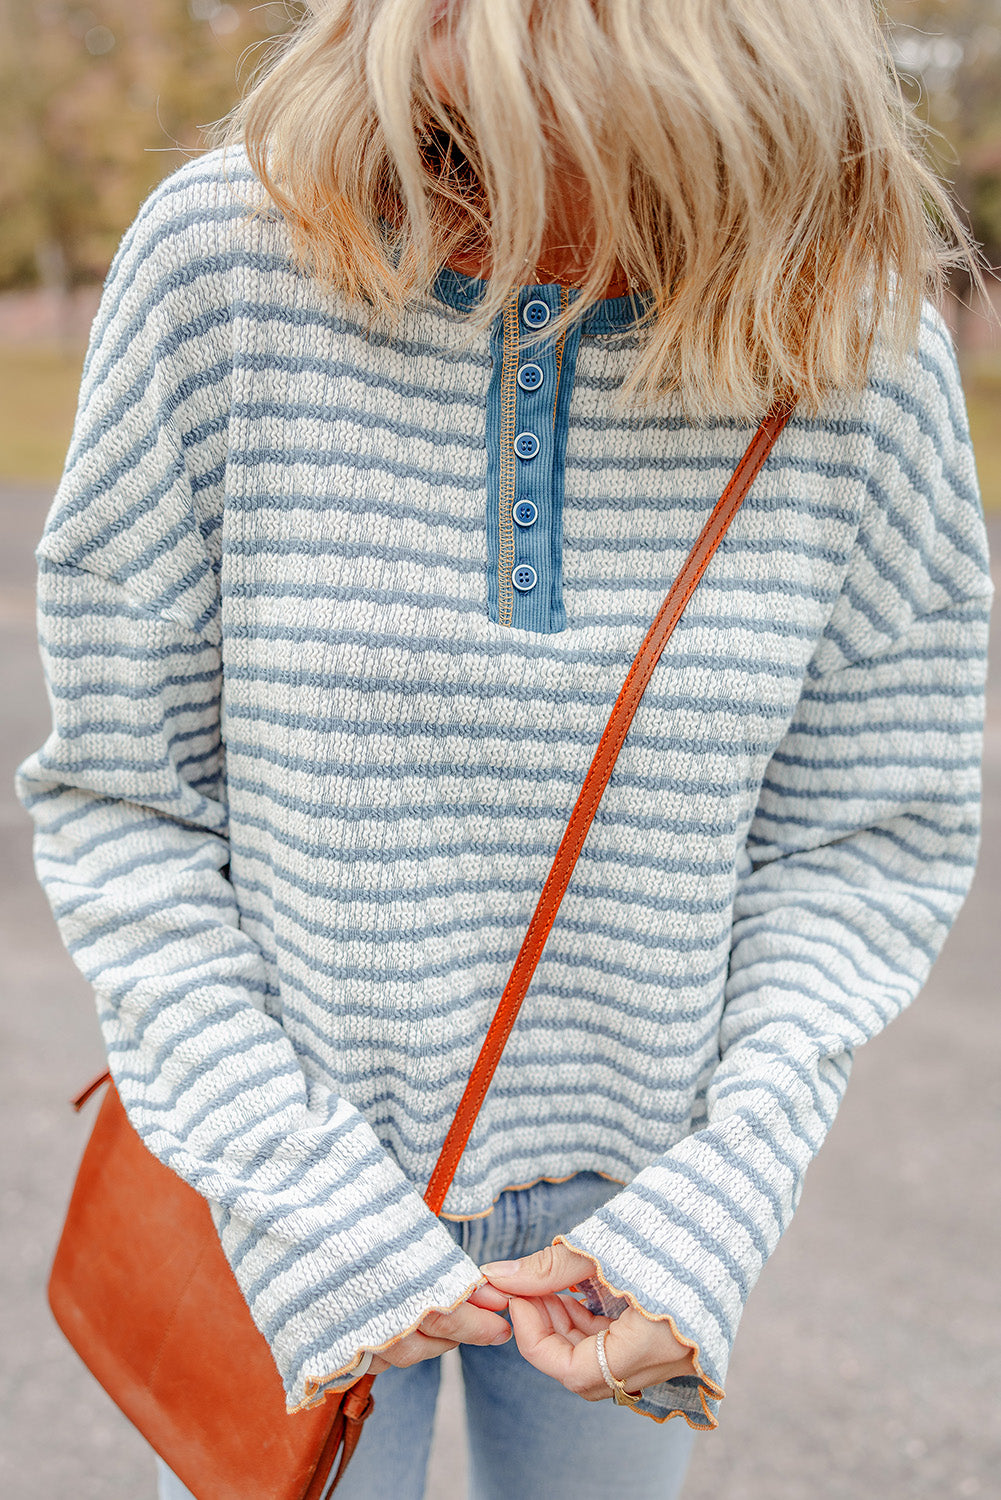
(475,1321)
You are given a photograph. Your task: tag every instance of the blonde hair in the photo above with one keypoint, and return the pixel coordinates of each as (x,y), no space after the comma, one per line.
(751,164)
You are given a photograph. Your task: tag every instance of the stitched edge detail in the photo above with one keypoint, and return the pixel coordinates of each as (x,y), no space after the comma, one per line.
(518,1187)
(506,487)
(564,304)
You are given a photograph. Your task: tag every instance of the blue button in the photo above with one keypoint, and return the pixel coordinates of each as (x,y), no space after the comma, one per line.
(535,314)
(526,513)
(530,377)
(524,578)
(526,445)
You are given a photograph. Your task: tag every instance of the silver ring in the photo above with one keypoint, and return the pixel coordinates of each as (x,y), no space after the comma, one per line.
(602,1361)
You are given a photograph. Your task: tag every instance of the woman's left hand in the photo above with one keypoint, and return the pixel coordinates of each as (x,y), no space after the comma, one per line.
(558,1335)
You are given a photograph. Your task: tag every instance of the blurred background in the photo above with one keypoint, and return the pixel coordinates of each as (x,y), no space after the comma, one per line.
(869,1359)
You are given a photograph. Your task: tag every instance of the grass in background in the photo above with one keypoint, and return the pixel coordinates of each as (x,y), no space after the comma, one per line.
(38,391)
(982,383)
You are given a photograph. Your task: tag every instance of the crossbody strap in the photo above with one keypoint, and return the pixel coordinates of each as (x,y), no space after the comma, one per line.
(586,805)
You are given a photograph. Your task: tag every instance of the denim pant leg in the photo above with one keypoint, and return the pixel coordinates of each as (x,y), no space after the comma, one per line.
(391,1458)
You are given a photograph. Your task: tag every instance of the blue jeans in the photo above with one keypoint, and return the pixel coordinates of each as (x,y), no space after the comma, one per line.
(529,1438)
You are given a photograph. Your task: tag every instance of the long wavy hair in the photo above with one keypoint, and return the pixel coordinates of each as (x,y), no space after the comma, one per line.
(751,165)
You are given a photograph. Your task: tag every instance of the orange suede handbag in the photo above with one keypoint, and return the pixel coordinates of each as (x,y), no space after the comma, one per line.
(140,1284)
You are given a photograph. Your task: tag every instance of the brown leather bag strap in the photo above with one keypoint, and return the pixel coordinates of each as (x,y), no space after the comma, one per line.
(595,782)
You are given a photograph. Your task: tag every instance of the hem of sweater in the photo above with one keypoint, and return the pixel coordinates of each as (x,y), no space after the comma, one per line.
(716,1391)
(517,1187)
(318,1388)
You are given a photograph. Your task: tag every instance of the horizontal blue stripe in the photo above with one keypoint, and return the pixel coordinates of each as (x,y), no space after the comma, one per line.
(873,762)
(375,1080)
(148,689)
(518,734)
(743,981)
(537,694)
(872,865)
(664,1211)
(64,648)
(668,1265)
(347,771)
(630,856)
(423,892)
(514,649)
(679,824)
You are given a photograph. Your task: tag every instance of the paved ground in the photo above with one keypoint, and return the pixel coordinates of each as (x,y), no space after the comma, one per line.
(869,1360)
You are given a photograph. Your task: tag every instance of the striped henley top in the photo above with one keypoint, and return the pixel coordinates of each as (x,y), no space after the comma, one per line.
(331,622)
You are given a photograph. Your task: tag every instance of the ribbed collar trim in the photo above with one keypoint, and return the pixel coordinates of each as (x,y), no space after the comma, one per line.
(611,315)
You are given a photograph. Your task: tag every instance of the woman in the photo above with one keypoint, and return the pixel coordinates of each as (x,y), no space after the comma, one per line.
(372,495)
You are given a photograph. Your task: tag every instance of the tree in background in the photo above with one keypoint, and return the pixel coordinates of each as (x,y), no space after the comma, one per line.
(948,53)
(98,101)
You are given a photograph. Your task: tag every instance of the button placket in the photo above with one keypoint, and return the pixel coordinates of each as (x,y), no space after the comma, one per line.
(518,401)
(533,447)
(530,386)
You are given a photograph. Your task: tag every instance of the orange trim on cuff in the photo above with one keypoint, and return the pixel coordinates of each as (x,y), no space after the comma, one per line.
(312,1385)
(715,1390)
(518,1187)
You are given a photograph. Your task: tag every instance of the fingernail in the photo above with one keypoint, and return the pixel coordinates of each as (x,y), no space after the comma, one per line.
(500,1267)
(502,1338)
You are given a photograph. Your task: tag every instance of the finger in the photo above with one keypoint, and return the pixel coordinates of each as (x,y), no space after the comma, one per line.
(559,1318)
(572,1360)
(550,1269)
(488,1296)
(467,1324)
(583,1319)
(412,1349)
(586,1375)
(544,1347)
(564,1316)
(570,1356)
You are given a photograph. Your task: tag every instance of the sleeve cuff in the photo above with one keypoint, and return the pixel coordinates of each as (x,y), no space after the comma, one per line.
(694,1397)
(348,1259)
(316,1388)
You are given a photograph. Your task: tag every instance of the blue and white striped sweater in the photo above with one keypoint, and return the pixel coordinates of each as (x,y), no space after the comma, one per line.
(303,785)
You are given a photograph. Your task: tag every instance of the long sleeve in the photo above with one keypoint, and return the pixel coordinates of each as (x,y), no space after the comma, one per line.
(858,857)
(333,1248)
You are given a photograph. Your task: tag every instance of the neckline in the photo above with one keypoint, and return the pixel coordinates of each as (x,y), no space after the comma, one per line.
(611,315)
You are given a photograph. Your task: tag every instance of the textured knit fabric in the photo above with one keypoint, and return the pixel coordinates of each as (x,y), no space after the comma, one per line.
(302,791)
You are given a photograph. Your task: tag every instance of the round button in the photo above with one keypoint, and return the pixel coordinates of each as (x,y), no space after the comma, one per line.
(530,377)
(535,314)
(524,577)
(526,513)
(526,445)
